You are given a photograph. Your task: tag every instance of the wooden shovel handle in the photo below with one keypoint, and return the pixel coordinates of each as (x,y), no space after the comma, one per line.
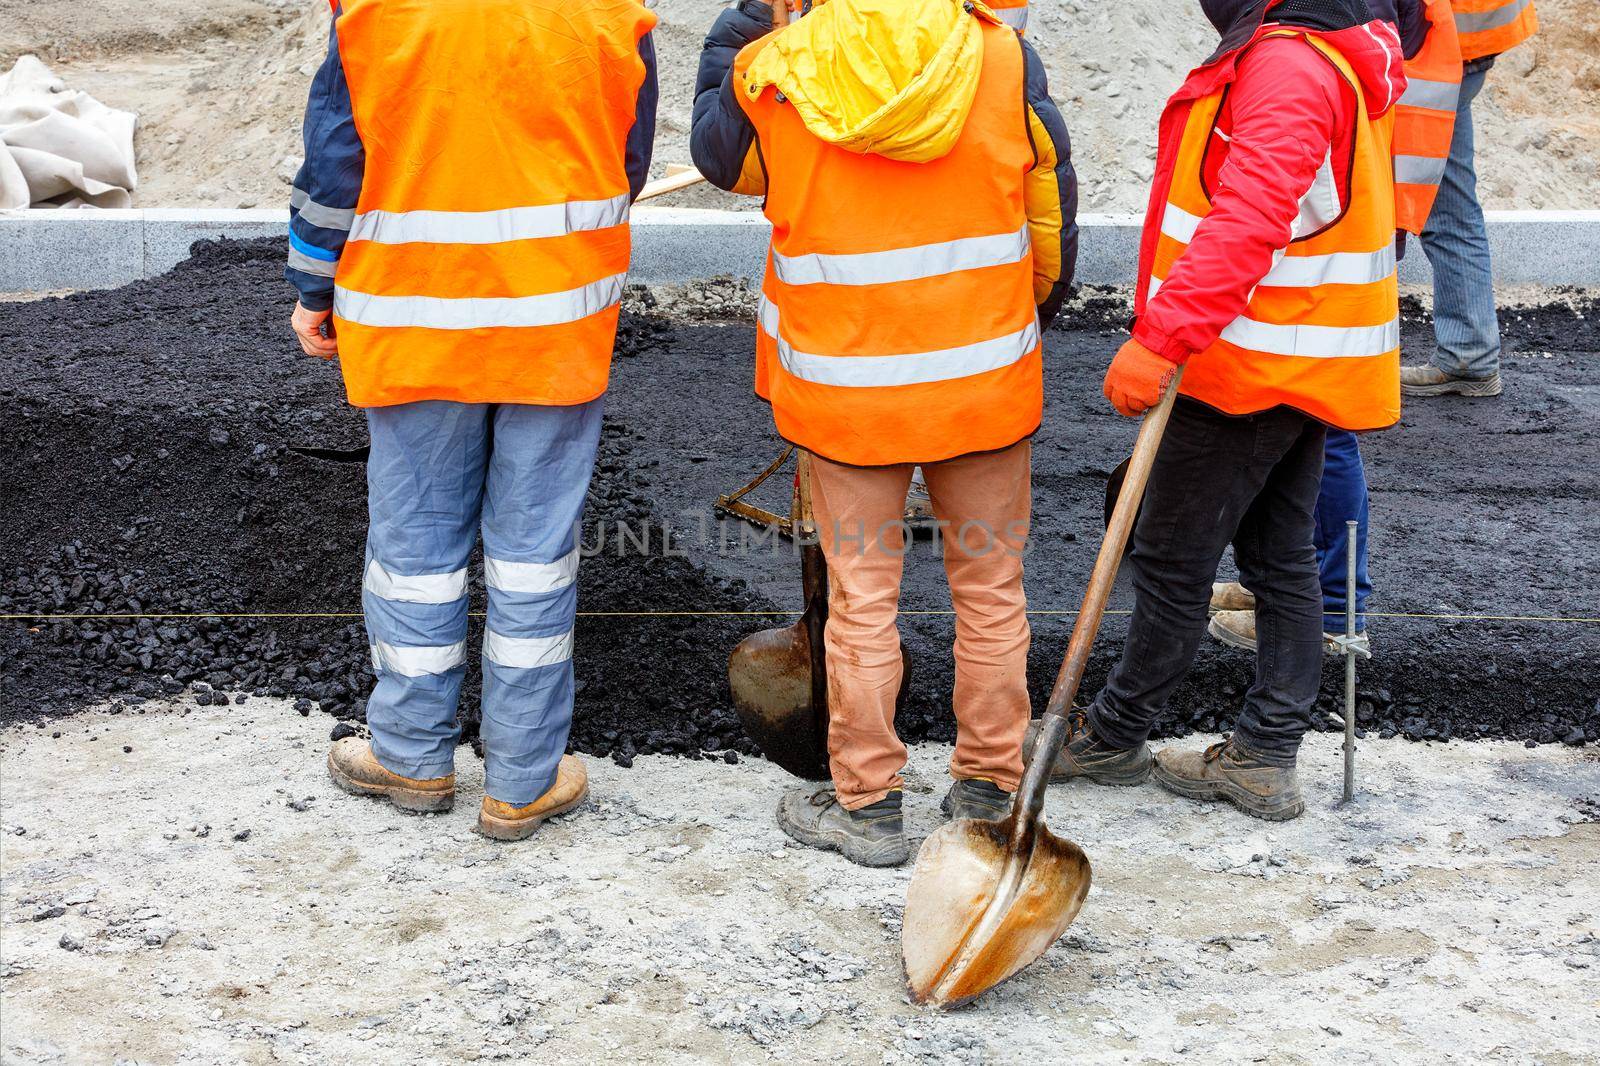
(1052,731)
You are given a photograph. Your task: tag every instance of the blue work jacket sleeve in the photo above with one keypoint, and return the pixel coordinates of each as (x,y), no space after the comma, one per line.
(1050,194)
(326,189)
(642,137)
(722,136)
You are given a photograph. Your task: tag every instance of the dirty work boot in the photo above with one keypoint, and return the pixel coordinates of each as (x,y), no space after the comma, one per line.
(875,835)
(1086,755)
(1228,771)
(1231,596)
(1429,380)
(976,798)
(1238,629)
(502,821)
(355,769)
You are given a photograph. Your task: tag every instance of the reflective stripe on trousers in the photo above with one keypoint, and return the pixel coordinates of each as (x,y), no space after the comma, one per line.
(432,479)
(907,368)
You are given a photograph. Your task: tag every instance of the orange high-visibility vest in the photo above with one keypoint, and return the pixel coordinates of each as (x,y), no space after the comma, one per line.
(1489,27)
(486,260)
(1321,332)
(1425,119)
(897,321)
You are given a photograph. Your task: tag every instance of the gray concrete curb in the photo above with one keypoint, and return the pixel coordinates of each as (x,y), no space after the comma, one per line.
(45,250)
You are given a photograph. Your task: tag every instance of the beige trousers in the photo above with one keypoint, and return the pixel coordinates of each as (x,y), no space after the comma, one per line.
(982,504)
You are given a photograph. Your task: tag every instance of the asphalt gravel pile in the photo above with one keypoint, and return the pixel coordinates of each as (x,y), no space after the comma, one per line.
(170,452)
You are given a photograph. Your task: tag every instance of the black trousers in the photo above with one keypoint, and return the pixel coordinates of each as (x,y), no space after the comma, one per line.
(1251,481)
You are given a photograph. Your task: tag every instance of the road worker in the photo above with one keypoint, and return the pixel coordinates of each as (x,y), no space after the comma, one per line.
(1267,271)
(459,238)
(921,192)
(1466,357)
(1424,119)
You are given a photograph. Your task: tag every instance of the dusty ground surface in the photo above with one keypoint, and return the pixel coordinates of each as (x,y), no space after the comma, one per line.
(209,896)
(170,451)
(221,87)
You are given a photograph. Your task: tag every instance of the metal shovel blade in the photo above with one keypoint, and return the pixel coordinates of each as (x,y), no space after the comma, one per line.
(977,911)
(770,676)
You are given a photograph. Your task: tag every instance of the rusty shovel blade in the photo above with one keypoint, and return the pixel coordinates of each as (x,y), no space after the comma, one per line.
(769,674)
(982,906)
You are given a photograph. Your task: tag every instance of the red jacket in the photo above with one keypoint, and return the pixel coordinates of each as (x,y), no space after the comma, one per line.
(1287,110)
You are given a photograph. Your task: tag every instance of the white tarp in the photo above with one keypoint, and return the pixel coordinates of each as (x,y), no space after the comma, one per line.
(61,147)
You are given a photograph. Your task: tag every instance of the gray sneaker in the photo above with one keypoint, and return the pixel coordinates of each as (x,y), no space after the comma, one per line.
(1085,755)
(1228,771)
(976,798)
(1429,380)
(872,836)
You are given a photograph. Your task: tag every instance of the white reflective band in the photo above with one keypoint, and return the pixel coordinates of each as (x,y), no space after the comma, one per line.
(1433,95)
(415,588)
(489,227)
(911,368)
(417,661)
(1333,268)
(302,262)
(1322,342)
(1015,17)
(530,577)
(478,312)
(1319,207)
(1178,223)
(902,264)
(1419,169)
(526,653)
(320,215)
(1474,21)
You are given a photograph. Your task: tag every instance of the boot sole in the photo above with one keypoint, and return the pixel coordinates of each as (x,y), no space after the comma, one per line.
(887,853)
(411,800)
(1470,389)
(1226,790)
(523,828)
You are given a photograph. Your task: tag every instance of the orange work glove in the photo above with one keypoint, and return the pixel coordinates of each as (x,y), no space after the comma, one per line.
(1136,378)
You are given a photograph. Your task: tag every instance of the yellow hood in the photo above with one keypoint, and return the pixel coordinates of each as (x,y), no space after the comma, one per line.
(894,78)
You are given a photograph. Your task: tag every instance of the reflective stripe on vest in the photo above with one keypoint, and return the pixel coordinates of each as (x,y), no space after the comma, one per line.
(478,312)
(894,329)
(1489,27)
(488,227)
(1012,14)
(1321,330)
(902,264)
(487,253)
(908,368)
(1424,122)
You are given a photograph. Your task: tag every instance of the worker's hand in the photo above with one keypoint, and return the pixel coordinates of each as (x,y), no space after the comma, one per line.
(1137,378)
(308,330)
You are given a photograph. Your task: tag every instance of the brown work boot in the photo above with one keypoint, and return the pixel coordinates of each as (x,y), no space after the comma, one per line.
(1231,596)
(1086,755)
(502,821)
(1230,772)
(355,769)
(1428,380)
(1238,629)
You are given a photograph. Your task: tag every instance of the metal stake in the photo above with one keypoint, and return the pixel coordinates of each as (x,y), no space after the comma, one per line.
(1351,529)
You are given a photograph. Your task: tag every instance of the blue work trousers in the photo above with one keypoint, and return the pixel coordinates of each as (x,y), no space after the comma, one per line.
(438,471)
(1343,498)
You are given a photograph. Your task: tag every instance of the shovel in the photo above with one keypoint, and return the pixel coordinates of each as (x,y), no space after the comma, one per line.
(987,898)
(779,677)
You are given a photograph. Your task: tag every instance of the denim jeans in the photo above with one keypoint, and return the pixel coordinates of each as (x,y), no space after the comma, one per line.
(1466,332)
(1252,481)
(438,471)
(1343,498)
